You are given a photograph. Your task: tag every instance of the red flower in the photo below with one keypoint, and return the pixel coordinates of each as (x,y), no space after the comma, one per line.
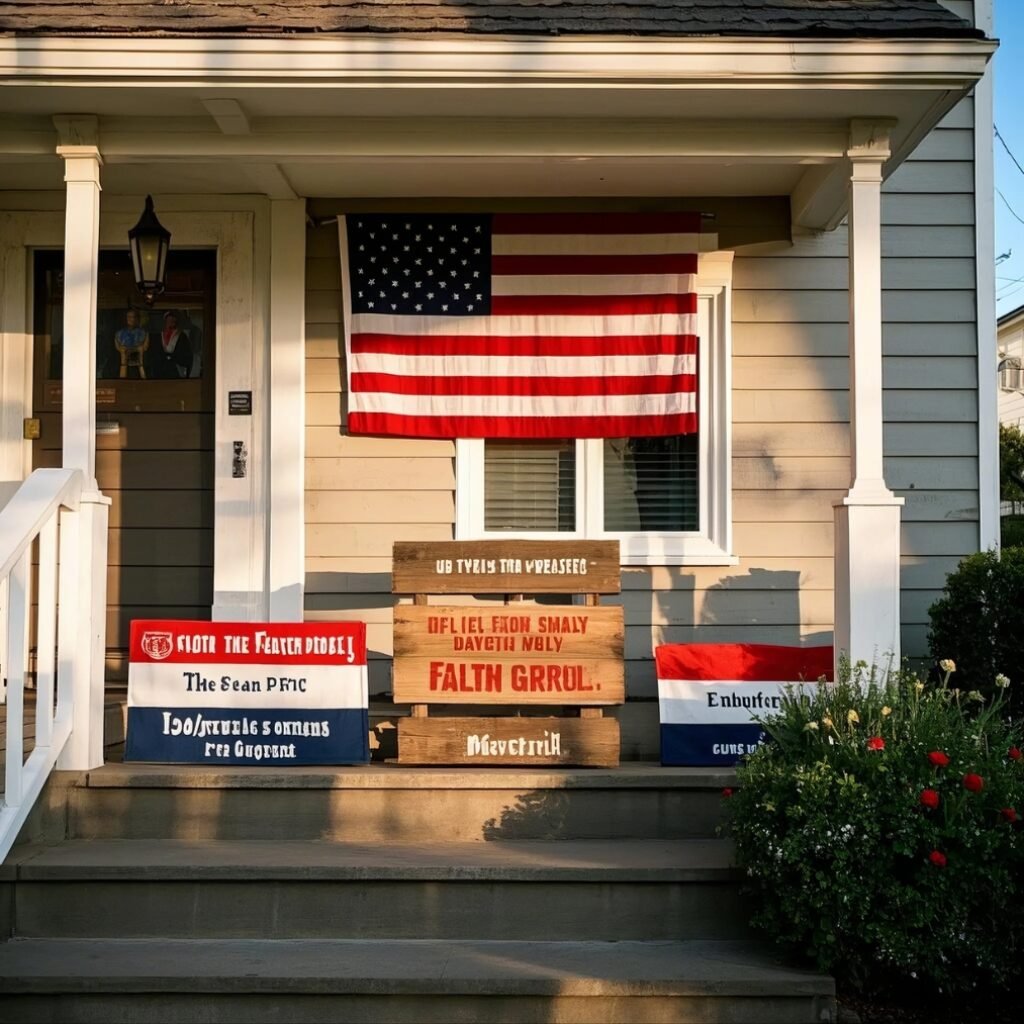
(1014,754)
(929,798)
(937,858)
(726,792)
(876,743)
(938,758)
(1009,813)
(975,783)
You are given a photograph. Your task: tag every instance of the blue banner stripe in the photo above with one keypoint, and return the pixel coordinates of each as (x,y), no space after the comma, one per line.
(248,737)
(708,745)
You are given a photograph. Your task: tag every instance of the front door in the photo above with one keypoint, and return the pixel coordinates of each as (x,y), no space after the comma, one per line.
(154,432)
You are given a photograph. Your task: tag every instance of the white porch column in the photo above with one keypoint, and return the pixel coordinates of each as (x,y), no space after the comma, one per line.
(286,563)
(867,520)
(82,626)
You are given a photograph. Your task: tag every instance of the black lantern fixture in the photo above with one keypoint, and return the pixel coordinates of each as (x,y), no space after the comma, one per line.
(149,241)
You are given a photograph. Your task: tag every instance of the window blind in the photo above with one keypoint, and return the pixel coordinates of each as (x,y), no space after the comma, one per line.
(651,484)
(530,485)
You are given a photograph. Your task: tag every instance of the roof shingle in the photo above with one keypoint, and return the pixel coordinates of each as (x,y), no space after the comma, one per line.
(812,18)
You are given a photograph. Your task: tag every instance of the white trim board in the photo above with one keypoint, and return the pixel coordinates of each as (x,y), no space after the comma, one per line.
(988,344)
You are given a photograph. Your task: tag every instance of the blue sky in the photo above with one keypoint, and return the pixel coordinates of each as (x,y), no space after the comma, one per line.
(1009,75)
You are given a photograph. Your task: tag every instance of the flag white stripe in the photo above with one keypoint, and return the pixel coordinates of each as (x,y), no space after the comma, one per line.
(594,284)
(602,245)
(520,405)
(522,366)
(527,326)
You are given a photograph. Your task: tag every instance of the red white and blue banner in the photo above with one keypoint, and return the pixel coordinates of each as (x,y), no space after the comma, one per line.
(282,693)
(710,694)
(521,325)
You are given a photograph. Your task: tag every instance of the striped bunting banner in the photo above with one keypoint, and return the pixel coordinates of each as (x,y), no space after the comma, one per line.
(521,325)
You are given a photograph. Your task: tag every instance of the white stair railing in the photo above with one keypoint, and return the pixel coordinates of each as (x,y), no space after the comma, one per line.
(44,507)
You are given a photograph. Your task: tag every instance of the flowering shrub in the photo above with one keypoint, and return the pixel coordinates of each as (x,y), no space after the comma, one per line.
(880,832)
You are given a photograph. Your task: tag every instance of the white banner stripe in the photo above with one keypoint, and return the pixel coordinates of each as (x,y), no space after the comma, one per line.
(602,245)
(729,702)
(523,366)
(519,405)
(165,685)
(594,284)
(524,326)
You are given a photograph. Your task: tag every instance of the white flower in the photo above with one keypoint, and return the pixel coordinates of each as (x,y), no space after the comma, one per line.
(947,665)
(1002,682)
(811,726)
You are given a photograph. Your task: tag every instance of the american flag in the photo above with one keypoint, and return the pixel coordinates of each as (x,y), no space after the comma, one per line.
(521,325)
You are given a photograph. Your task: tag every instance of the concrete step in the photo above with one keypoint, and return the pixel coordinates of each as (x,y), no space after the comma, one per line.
(404,982)
(571,890)
(386,803)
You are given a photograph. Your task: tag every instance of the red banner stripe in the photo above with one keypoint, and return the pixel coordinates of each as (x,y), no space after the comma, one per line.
(743,662)
(596,223)
(477,345)
(397,425)
(206,643)
(592,305)
(539,266)
(639,385)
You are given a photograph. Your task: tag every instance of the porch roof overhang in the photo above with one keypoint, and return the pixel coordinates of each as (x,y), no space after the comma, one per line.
(439,116)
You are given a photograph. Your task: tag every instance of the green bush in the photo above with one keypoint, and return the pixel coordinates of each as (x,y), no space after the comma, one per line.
(1012,531)
(979,623)
(847,861)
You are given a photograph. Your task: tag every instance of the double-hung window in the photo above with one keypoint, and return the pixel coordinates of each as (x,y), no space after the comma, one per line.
(666,499)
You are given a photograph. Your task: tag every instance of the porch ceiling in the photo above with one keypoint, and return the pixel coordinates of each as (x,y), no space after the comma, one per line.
(404,117)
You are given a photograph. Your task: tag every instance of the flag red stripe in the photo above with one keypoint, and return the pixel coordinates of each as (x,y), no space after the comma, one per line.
(521,426)
(536,266)
(653,385)
(595,223)
(754,662)
(592,305)
(476,345)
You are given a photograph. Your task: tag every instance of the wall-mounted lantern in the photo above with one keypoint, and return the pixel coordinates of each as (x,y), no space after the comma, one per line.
(149,241)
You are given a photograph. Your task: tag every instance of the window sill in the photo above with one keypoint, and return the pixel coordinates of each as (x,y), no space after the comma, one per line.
(672,551)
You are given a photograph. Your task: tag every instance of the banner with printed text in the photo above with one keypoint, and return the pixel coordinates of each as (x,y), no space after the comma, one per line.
(248,693)
(710,695)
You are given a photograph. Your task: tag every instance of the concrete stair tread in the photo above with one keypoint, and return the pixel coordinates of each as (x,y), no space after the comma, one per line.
(629,775)
(633,860)
(696,967)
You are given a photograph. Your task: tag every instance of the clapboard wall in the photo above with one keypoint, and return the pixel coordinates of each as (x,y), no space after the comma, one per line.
(791,441)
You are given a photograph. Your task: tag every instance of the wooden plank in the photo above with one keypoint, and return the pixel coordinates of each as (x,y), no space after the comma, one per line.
(140,431)
(371,474)
(765,407)
(158,470)
(929,176)
(516,632)
(583,742)
(773,272)
(516,654)
(507,567)
(380,506)
(188,509)
(772,373)
(826,440)
(369,538)
(511,683)
(920,240)
(160,547)
(330,442)
(790,474)
(901,209)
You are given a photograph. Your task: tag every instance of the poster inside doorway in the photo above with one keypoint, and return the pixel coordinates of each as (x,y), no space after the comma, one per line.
(233,693)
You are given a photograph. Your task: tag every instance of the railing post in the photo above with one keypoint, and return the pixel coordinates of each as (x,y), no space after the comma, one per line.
(17,649)
(83,589)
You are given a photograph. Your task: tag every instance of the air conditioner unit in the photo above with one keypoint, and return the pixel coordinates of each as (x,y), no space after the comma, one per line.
(1011,378)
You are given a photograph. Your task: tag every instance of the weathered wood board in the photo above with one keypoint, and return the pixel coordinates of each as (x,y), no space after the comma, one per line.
(586,742)
(512,654)
(506,567)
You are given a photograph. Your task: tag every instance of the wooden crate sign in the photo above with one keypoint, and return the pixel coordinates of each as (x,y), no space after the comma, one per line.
(506,567)
(508,654)
(588,742)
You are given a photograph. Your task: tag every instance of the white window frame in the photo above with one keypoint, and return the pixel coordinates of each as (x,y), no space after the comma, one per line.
(711,544)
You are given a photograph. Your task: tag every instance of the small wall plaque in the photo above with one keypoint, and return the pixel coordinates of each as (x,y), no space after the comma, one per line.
(239,403)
